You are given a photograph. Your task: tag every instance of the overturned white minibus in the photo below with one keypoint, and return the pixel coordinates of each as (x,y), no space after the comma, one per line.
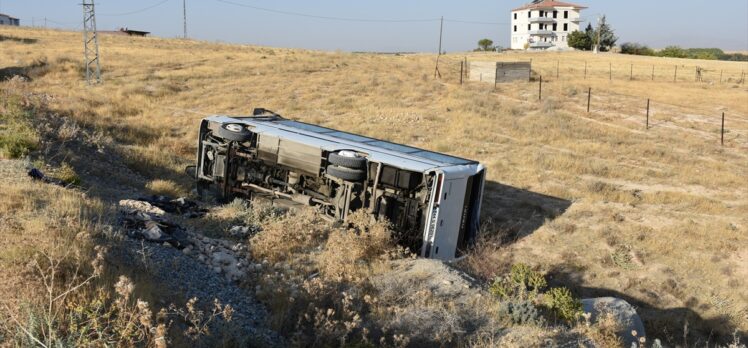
(431,199)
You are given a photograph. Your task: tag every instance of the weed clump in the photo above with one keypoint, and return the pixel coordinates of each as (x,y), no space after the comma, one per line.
(521,313)
(563,304)
(161,187)
(349,249)
(293,233)
(67,175)
(520,280)
(17,137)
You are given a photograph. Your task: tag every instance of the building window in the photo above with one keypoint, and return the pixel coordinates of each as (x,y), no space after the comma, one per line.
(529,27)
(529,14)
(555,27)
(555,14)
(515,28)
(515,16)
(566,14)
(541,13)
(566,26)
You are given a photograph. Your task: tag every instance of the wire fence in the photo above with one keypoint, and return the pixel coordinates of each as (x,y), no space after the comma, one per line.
(651,112)
(450,69)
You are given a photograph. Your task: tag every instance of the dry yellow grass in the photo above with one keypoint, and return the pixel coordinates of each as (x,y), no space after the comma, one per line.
(658,216)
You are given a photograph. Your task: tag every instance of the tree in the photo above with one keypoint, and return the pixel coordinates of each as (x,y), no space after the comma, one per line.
(580,40)
(485,45)
(605,35)
(588,39)
(673,52)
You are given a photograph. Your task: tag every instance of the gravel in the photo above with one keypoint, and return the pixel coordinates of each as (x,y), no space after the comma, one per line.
(175,272)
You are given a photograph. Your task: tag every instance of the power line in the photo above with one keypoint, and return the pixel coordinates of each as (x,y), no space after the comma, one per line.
(345,19)
(475,22)
(348,19)
(136,11)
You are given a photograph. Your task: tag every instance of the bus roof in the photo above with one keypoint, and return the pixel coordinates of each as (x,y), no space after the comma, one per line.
(435,159)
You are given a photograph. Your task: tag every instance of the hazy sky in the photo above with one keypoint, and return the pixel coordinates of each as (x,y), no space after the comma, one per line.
(690,23)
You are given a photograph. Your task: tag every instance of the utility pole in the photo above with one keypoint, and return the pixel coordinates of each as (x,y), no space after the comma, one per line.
(441,31)
(184,16)
(91,43)
(439,54)
(597,41)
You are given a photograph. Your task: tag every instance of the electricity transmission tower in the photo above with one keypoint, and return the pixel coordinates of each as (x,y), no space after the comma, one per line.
(91,44)
(184,16)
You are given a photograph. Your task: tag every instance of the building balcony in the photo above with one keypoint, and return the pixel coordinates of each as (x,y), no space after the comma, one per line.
(544,32)
(542,20)
(541,44)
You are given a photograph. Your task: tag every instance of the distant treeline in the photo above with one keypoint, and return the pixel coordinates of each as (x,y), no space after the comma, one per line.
(678,52)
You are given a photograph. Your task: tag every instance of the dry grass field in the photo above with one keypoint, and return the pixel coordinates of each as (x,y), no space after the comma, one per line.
(595,200)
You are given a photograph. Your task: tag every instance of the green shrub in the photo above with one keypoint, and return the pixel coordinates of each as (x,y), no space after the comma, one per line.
(563,304)
(636,49)
(520,280)
(521,313)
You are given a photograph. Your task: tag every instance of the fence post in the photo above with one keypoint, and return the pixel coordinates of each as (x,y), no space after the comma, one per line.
(610,71)
(585,69)
(647,113)
(467,68)
(653,72)
(675,77)
(632,73)
(742,78)
(723,129)
(589,98)
(720,76)
(496,77)
(462,71)
(540,89)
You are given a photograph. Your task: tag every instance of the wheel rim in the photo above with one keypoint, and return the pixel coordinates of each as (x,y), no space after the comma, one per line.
(234,128)
(348,153)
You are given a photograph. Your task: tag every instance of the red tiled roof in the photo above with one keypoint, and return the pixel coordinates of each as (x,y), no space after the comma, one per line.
(548,3)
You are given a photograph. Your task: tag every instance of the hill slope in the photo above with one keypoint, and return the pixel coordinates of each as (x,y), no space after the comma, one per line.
(657,216)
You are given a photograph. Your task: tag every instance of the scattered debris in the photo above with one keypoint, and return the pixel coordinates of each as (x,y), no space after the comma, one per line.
(37,174)
(141,220)
(132,205)
(181,206)
(147,219)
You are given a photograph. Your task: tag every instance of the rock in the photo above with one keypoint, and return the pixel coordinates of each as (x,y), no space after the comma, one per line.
(624,313)
(223,258)
(233,272)
(152,231)
(239,231)
(201,258)
(186,251)
(217,269)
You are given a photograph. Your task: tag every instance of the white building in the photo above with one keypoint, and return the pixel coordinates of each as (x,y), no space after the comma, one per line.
(544,24)
(8,20)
